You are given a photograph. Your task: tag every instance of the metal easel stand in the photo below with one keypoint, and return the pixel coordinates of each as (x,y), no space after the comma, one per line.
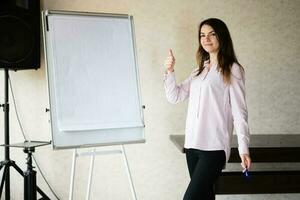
(93,153)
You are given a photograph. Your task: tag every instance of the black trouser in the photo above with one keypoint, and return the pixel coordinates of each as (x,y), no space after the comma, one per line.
(204,168)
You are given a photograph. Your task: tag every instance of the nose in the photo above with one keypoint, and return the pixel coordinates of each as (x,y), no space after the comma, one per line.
(207,38)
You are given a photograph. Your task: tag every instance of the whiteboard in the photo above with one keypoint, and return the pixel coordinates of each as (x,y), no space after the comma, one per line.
(92,78)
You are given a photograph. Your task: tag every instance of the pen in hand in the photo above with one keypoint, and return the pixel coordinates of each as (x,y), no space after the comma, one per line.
(246,173)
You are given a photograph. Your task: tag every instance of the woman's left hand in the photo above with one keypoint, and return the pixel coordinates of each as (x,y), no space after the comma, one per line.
(246,161)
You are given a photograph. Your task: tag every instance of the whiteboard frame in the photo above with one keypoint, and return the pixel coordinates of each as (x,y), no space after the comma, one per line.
(53,126)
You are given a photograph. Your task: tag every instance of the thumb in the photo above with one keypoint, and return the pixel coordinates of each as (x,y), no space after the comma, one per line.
(171,53)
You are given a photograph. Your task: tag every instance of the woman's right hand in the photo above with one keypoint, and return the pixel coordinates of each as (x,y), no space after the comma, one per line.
(170,62)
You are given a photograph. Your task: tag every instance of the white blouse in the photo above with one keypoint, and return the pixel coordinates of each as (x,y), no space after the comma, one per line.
(213,108)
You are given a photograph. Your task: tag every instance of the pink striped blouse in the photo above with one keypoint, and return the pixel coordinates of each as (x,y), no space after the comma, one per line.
(214,107)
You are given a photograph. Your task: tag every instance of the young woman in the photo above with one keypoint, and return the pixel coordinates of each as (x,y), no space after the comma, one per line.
(216,93)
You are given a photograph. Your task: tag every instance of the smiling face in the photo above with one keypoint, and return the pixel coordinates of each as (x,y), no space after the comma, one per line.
(208,39)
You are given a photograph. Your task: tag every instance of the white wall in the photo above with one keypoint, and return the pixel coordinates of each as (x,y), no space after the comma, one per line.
(266,37)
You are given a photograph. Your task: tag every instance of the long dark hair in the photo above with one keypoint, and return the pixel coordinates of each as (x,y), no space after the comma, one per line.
(226,55)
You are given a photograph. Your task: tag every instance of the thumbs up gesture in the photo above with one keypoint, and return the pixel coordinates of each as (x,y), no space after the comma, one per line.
(170,62)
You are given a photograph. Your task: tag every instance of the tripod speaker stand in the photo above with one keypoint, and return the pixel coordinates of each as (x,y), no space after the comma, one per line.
(7,163)
(29,175)
(19,49)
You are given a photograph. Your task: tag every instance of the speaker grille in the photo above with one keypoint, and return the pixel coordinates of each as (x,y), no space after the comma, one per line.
(16,40)
(19,34)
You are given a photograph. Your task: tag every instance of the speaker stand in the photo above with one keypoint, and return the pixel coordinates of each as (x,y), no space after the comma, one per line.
(7,162)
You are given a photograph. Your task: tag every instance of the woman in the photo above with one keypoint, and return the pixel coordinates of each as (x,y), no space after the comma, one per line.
(216,93)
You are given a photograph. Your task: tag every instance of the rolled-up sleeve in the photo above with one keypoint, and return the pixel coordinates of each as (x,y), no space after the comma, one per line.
(239,108)
(176,93)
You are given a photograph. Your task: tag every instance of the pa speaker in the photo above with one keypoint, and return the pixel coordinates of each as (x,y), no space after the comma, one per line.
(20,34)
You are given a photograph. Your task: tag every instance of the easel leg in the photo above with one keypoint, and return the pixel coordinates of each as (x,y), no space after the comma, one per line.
(129,174)
(93,154)
(90,175)
(72,174)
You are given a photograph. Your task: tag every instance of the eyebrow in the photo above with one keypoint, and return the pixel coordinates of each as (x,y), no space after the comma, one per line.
(208,32)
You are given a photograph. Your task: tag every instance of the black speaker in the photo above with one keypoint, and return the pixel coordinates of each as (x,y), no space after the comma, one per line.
(20,34)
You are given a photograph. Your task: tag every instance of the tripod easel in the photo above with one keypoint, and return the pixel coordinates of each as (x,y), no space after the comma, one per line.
(7,162)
